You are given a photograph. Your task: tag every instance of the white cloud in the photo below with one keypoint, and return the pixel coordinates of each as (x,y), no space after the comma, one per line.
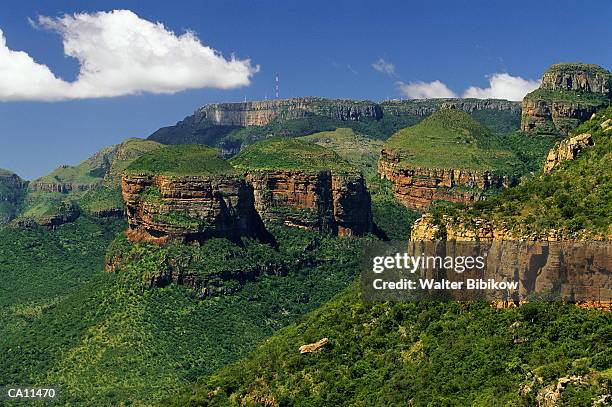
(119,54)
(425,90)
(385,67)
(503,86)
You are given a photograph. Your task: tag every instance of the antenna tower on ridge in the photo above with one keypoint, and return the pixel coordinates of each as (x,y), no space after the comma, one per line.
(276,86)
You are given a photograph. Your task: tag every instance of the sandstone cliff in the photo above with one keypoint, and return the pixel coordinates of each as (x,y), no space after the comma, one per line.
(317,200)
(425,107)
(418,187)
(569,94)
(263,112)
(188,208)
(543,264)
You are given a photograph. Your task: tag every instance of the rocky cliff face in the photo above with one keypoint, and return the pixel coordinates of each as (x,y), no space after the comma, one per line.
(585,78)
(194,208)
(567,150)
(263,112)
(578,271)
(425,107)
(188,208)
(569,95)
(317,200)
(418,187)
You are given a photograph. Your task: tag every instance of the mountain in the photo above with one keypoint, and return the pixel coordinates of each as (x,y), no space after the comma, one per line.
(569,94)
(448,156)
(571,200)
(12,192)
(230,125)
(91,186)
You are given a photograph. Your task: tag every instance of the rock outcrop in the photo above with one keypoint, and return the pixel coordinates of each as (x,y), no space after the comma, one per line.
(546,264)
(318,200)
(263,112)
(567,150)
(569,94)
(418,187)
(188,208)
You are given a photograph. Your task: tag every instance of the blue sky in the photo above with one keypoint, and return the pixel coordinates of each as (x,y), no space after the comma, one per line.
(323,48)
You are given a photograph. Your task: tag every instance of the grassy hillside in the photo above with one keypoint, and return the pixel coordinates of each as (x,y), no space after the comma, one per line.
(95,182)
(360,151)
(289,154)
(421,354)
(187,159)
(451,138)
(574,199)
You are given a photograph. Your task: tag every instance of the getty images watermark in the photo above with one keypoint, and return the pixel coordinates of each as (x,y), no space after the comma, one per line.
(496,271)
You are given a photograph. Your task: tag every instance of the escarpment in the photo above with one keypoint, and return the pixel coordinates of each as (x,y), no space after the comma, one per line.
(188,208)
(317,200)
(419,187)
(447,157)
(263,112)
(188,193)
(211,123)
(568,95)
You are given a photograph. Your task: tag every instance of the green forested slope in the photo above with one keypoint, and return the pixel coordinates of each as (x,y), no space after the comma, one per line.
(421,354)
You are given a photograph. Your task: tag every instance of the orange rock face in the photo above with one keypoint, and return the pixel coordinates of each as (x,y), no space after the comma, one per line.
(577,270)
(189,208)
(417,187)
(324,201)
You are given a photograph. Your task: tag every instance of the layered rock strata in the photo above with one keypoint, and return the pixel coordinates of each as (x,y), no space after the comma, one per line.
(188,208)
(418,187)
(317,200)
(568,95)
(578,271)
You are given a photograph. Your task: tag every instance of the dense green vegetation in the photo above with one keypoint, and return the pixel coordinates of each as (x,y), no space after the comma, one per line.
(358,150)
(12,193)
(574,199)
(500,122)
(451,138)
(186,159)
(290,154)
(583,98)
(419,353)
(106,339)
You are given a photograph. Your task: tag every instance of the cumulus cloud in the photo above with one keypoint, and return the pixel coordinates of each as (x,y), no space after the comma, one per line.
(119,54)
(425,90)
(385,67)
(503,86)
